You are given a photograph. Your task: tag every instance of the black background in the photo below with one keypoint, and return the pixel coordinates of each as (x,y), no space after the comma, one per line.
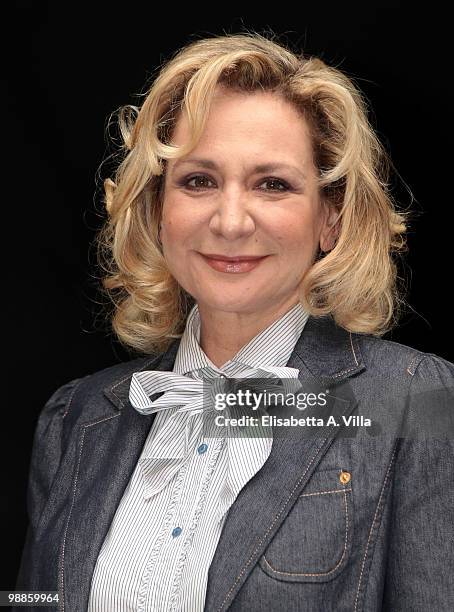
(68,66)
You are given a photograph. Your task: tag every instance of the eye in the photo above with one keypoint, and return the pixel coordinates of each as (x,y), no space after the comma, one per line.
(279,185)
(199,181)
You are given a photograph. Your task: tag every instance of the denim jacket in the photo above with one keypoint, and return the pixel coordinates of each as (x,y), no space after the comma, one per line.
(330,523)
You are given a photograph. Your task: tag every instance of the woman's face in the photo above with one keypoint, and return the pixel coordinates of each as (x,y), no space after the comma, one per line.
(247,189)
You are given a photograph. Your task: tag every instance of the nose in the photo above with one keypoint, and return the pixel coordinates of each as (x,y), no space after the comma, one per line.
(232,217)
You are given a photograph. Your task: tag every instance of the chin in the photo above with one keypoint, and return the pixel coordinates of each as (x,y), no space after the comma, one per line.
(233,303)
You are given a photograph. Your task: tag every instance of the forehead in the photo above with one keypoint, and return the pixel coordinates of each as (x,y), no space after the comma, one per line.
(249,122)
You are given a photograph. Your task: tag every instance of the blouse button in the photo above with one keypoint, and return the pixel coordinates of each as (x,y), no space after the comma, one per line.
(176,532)
(345,477)
(202,449)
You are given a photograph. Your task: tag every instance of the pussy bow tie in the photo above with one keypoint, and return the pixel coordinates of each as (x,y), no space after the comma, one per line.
(175,442)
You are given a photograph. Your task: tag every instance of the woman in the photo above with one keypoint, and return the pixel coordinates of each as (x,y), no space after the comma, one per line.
(250,235)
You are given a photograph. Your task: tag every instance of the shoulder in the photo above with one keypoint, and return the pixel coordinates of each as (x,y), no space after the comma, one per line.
(408,391)
(416,384)
(84,397)
(94,382)
(89,387)
(387,356)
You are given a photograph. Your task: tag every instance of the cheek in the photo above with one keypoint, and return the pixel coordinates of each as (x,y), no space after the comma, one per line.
(178,219)
(175,228)
(296,235)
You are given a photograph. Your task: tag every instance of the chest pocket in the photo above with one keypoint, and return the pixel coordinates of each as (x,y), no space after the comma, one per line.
(313,543)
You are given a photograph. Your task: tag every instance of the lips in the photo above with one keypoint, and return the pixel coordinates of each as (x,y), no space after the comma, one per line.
(233,265)
(235,258)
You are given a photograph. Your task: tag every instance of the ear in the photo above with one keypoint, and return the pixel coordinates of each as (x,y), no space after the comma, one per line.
(330,227)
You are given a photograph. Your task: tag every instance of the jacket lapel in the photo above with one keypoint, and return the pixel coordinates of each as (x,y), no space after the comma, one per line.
(110,446)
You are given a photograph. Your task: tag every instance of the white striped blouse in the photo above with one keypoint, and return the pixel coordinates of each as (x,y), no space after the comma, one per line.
(160,545)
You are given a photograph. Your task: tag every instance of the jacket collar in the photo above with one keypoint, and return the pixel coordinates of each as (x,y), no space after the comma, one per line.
(326,349)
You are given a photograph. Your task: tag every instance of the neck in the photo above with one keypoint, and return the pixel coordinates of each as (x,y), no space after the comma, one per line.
(223,334)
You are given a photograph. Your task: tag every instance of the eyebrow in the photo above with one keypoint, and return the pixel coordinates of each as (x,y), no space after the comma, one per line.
(270,167)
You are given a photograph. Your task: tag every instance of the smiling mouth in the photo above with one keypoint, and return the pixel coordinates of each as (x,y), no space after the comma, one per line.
(233,265)
(234,258)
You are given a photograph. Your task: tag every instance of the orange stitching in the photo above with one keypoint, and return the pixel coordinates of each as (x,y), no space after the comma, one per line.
(344,372)
(325,492)
(372,526)
(101,420)
(337,564)
(68,405)
(411,362)
(354,354)
(62,556)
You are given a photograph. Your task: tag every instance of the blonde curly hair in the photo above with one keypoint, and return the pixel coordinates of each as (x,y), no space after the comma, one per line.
(356,281)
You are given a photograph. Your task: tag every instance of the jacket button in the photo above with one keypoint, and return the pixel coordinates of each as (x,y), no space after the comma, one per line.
(345,477)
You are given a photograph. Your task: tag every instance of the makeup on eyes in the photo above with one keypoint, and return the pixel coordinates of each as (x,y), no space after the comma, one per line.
(283,185)
(268,171)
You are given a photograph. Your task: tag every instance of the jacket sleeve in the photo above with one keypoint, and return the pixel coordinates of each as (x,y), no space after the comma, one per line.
(419,574)
(44,463)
